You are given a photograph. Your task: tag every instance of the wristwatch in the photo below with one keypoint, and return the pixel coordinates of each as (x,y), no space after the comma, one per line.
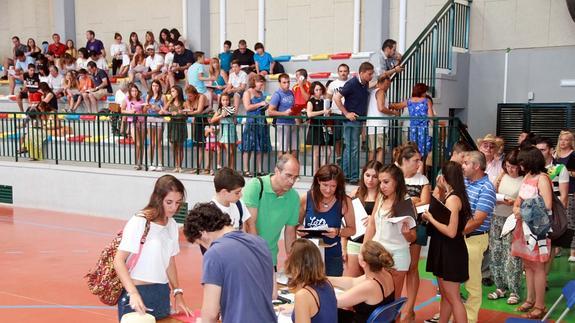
(177,291)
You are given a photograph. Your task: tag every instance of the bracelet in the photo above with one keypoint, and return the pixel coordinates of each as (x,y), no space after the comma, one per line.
(177,291)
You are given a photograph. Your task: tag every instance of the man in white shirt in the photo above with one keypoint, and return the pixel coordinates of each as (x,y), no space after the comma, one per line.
(55,81)
(377,129)
(332,89)
(237,83)
(154,63)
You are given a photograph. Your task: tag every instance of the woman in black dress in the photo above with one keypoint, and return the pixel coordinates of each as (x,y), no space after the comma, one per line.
(447,258)
(317,134)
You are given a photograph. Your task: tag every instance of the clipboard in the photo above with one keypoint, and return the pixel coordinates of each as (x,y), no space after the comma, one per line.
(312,232)
(439,211)
(360,214)
(405,208)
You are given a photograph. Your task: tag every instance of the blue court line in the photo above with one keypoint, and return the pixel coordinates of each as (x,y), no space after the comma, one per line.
(427,302)
(91,307)
(60,227)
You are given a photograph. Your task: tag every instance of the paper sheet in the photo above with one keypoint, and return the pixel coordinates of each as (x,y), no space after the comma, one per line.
(360,215)
(422,208)
(410,221)
(509,225)
(500,197)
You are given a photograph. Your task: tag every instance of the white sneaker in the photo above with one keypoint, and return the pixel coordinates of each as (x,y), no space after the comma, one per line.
(571,259)
(152,168)
(159,168)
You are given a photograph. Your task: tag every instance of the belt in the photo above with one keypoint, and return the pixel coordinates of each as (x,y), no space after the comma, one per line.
(475,233)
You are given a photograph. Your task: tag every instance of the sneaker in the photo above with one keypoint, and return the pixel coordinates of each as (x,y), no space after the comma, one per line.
(159,168)
(152,168)
(434,319)
(571,259)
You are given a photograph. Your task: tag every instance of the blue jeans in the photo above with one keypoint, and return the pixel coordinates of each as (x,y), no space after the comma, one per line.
(154,296)
(350,158)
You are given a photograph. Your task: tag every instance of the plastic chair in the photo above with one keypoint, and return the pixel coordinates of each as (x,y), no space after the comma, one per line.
(568,292)
(387,313)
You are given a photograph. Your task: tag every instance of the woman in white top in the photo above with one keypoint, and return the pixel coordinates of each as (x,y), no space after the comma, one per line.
(395,237)
(419,190)
(147,284)
(377,128)
(120,58)
(82,60)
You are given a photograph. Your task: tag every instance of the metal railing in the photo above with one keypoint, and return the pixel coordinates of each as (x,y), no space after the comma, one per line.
(433,49)
(188,143)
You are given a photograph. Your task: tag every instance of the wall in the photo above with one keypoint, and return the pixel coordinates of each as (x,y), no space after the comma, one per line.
(105,17)
(536,69)
(92,191)
(25,19)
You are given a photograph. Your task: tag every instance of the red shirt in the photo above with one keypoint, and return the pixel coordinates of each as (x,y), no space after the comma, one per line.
(57,49)
(300,102)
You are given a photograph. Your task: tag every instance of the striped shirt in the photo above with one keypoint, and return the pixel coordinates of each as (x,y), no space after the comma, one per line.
(481,195)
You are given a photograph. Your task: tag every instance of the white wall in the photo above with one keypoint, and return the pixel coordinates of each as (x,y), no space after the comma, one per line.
(95,191)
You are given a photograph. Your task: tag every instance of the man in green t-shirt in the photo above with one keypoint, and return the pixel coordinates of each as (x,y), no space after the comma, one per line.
(274,204)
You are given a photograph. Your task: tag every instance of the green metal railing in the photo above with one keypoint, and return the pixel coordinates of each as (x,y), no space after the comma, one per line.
(110,139)
(433,49)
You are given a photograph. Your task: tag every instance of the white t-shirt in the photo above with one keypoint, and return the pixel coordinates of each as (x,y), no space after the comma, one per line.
(81,63)
(161,244)
(168,59)
(561,178)
(236,80)
(55,82)
(332,89)
(119,96)
(376,126)
(101,63)
(154,62)
(118,50)
(234,213)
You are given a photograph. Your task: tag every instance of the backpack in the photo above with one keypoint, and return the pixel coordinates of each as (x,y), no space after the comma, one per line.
(103,281)
(239,203)
(558,217)
(278,68)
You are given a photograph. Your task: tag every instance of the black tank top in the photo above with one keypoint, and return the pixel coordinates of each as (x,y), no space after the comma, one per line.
(363,310)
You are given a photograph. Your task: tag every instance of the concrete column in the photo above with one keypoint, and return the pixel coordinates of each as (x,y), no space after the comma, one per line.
(376,24)
(197,25)
(64,14)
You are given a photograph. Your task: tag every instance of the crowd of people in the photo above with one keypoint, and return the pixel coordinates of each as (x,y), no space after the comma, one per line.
(239,233)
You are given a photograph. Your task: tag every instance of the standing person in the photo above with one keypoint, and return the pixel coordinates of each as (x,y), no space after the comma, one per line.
(301,91)
(196,77)
(147,284)
(94,45)
(281,104)
(177,127)
(102,88)
(533,206)
(481,195)
(318,135)
(367,192)
(419,190)
(274,204)
(489,146)
(377,129)
(395,237)
(196,106)
(226,57)
(388,59)
(154,106)
(356,94)
(57,48)
(448,257)
(564,155)
(314,295)
(333,88)
(135,105)
(505,268)
(264,61)
(228,185)
(245,57)
(226,116)
(256,133)
(233,260)
(370,291)
(325,205)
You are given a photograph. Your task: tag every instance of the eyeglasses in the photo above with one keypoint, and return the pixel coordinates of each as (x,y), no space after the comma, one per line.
(289,177)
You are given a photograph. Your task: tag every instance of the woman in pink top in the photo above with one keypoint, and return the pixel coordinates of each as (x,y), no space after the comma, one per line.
(135,105)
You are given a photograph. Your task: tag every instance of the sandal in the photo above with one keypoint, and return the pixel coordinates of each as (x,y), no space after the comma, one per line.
(513,299)
(498,293)
(536,314)
(525,307)
(247,174)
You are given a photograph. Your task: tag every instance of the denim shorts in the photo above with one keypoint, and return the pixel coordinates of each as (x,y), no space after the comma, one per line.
(535,214)
(155,297)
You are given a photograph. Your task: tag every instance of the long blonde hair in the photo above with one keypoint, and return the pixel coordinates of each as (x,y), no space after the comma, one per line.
(558,150)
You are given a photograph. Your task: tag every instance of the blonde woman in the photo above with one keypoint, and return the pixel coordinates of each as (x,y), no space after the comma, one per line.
(565,155)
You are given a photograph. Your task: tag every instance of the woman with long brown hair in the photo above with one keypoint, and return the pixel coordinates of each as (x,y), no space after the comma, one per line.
(148,282)
(324,206)
(314,295)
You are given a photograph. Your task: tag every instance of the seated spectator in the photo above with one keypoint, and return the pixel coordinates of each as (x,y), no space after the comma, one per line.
(94,45)
(281,105)
(154,63)
(150,40)
(99,59)
(71,49)
(388,59)
(264,61)
(138,63)
(163,77)
(226,57)
(45,47)
(218,76)
(33,50)
(9,61)
(16,72)
(164,41)
(315,299)
(57,48)
(119,53)
(370,291)
(85,85)
(43,68)
(31,81)
(237,82)
(71,90)
(56,81)
(245,57)
(300,91)
(134,41)
(67,63)
(48,96)
(176,36)
(183,59)
(227,251)
(102,88)
(82,59)
(196,77)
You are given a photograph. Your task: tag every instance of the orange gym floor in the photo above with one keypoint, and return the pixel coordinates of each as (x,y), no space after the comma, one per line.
(44,256)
